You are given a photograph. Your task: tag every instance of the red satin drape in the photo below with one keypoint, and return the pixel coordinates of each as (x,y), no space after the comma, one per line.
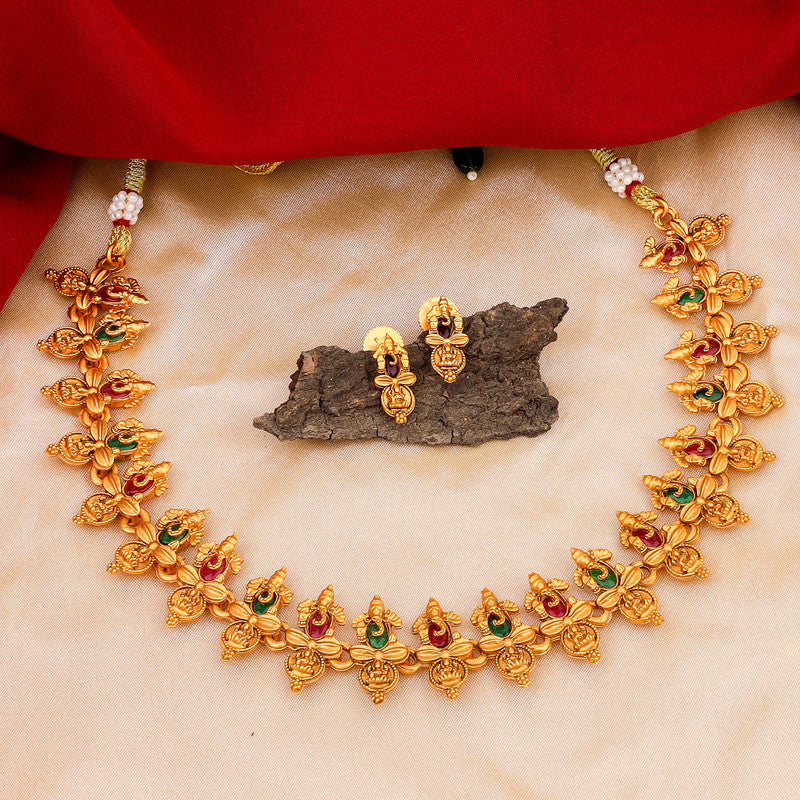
(246,81)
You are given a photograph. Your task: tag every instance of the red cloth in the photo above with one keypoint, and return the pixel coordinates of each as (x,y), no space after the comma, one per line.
(248,81)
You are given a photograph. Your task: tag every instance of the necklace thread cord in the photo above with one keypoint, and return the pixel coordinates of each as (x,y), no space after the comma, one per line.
(137,172)
(604,156)
(642,195)
(120,240)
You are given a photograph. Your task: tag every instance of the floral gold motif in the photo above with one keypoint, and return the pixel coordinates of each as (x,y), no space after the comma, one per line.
(671,546)
(394,376)
(572,622)
(721,447)
(204,581)
(313,643)
(447,654)
(256,618)
(445,326)
(618,587)
(378,651)
(510,642)
(158,544)
(729,393)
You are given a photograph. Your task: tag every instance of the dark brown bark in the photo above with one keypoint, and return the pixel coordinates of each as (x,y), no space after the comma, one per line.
(499,395)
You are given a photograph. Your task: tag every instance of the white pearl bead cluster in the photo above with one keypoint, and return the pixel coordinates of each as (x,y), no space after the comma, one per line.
(620,174)
(126,205)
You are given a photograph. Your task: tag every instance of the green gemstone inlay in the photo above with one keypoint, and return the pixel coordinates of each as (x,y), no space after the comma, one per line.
(710,392)
(499,625)
(694,295)
(124,446)
(172,533)
(377,637)
(264,601)
(110,333)
(607,582)
(680,494)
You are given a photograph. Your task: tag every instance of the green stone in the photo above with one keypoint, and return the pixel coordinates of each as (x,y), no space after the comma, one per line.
(680,494)
(376,636)
(607,582)
(710,392)
(499,625)
(115,442)
(172,533)
(264,601)
(694,295)
(108,335)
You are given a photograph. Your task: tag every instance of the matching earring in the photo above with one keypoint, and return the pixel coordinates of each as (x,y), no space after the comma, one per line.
(394,375)
(441,318)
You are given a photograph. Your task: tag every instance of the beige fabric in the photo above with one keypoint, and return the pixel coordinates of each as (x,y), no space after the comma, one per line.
(100,699)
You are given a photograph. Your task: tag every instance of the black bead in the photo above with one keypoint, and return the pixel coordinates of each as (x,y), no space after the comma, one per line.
(468,159)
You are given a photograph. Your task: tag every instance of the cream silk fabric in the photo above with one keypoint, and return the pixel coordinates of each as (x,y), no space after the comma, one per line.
(100,699)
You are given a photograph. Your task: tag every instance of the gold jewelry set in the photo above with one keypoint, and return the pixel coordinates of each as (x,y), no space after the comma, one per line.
(117,456)
(445,326)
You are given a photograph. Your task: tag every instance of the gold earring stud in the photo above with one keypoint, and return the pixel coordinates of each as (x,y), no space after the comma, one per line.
(394,375)
(444,324)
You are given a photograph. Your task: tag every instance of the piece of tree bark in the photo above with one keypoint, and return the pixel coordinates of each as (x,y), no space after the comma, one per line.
(499,395)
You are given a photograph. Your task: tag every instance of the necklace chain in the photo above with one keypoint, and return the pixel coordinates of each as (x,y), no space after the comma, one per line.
(117,457)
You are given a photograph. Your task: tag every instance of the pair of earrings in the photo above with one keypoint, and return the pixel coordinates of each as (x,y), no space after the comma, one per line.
(440,317)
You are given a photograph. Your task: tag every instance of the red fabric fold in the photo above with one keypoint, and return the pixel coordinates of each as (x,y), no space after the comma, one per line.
(247,82)
(33,185)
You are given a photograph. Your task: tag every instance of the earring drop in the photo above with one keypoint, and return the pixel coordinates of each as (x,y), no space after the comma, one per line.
(441,319)
(468,159)
(394,375)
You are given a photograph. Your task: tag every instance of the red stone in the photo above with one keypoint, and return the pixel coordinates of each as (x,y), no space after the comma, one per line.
(629,188)
(438,634)
(706,347)
(701,447)
(444,327)
(554,606)
(110,295)
(115,389)
(649,537)
(392,366)
(138,483)
(673,249)
(125,222)
(213,567)
(318,624)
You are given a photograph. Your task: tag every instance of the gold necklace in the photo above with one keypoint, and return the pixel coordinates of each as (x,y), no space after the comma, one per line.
(102,324)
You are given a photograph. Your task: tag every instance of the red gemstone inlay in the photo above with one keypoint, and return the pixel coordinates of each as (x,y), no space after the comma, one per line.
(392,366)
(213,567)
(673,249)
(554,606)
(438,634)
(706,347)
(115,389)
(110,295)
(444,327)
(138,483)
(318,624)
(649,537)
(701,447)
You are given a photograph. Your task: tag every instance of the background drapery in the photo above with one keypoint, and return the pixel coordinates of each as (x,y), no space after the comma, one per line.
(247,82)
